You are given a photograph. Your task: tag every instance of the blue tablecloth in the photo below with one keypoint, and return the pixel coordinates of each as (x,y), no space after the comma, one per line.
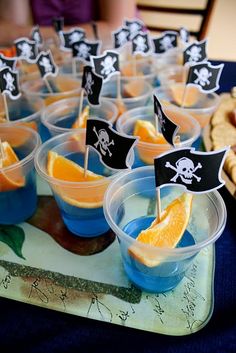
(25,328)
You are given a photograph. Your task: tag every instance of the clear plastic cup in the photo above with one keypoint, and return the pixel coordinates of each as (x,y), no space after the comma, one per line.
(18,198)
(140,97)
(127,211)
(63,86)
(173,74)
(59,117)
(203,106)
(139,68)
(23,111)
(80,203)
(145,152)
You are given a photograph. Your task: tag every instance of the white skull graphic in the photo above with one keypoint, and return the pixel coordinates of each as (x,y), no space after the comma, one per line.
(184,169)
(89,83)
(45,62)
(83,50)
(103,141)
(194,53)
(9,81)
(75,37)
(166,43)
(107,65)
(203,76)
(26,50)
(140,43)
(121,38)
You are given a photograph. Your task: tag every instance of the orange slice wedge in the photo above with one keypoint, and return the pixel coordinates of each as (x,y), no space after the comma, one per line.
(12,179)
(81,120)
(134,88)
(191,95)
(147,132)
(128,71)
(165,233)
(62,168)
(121,107)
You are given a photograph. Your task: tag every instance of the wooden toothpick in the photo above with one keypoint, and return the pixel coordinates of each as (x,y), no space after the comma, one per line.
(6,107)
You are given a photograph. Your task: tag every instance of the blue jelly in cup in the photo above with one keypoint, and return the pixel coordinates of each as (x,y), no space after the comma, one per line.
(18,198)
(130,206)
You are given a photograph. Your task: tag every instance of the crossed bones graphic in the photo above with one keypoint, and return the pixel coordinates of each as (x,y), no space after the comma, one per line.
(103,141)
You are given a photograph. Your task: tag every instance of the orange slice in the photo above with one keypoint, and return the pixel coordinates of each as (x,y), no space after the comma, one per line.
(165,233)
(81,120)
(12,179)
(128,70)
(121,107)
(62,168)
(191,95)
(133,89)
(147,132)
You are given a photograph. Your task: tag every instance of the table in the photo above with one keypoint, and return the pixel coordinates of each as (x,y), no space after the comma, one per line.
(25,328)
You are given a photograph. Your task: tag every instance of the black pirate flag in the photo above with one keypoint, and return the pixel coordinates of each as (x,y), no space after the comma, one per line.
(36,35)
(58,24)
(71,37)
(205,76)
(134,26)
(83,49)
(114,149)
(46,64)
(184,35)
(165,42)
(10,62)
(195,52)
(9,82)
(140,44)
(92,84)
(107,64)
(26,49)
(120,37)
(168,128)
(198,172)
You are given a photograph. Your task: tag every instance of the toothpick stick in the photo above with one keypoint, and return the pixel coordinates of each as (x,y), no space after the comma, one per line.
(86,160)
(74,71)
(158,204)
(95,30)
(184,96)
(6,107)
(177,141)
(119,86)
(81,102)
(48,85)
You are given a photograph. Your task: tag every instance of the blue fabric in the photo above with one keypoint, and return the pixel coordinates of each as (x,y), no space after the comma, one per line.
(25,328)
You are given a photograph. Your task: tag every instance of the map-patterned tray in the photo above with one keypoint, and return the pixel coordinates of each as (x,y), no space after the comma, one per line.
(41,263)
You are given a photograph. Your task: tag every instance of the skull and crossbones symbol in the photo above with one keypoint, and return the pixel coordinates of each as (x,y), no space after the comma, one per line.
(26,50)
(45,62)
(140,43)
(89,83)
(83,50)
(103,141)
(203,76)
(75,37)
(161,120)
(134,28)
(184,169)
(107,65)
(9,81)
(166,43)
(194,53)
(121,38)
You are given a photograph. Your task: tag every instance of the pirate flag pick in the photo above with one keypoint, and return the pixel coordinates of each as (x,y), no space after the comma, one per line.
(92,84)
(83,49)
(26,49)
(195,52)
(140,44)
(36,35)
(9,85)
(113,148)
(168,128)
(10,62)
(165,42)
(198,172)
(46,64)
(58,24)
(71,37)
(120,37)
(134,26)
(205,76)
(184,35)
(107,64)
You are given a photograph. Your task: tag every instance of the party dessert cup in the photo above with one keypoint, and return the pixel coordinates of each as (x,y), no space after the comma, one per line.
(23,111)
(18,198)
(145,152)
(63,86)
(139,68)
(80,202)
(127,208)
(59,117)
(173,74)
(134,92)
(198,104)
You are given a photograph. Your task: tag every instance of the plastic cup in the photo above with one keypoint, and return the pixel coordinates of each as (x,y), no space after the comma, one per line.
(202,109)
(63,86)
(59,117)
(127,211)
(141,96)
(173,74)
(80,203)
(141,68)
(145,152)
(18,198)
(23,111)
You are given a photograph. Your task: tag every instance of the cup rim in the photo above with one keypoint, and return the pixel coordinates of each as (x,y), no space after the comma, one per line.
(57,104)
(55,181)
(149,145)
(30,156)
(161,251)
